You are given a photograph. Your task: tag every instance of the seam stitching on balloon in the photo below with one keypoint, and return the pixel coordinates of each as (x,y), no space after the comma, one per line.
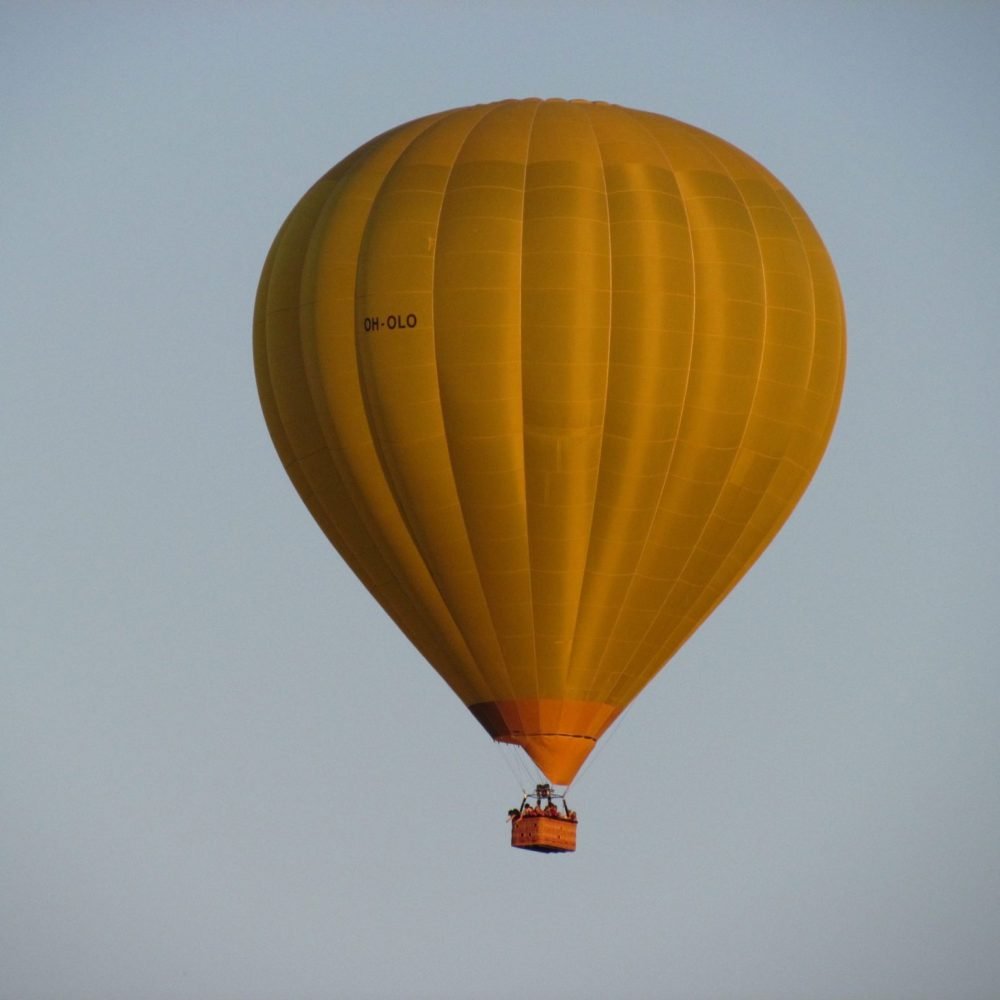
(524,444)
(680,418)
(314,502)
(736,451)
(485,112)
(379,540)
(368,407)
(797,495)
(607,389)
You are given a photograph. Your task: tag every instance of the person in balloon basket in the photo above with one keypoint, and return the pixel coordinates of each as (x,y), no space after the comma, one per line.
(551,811)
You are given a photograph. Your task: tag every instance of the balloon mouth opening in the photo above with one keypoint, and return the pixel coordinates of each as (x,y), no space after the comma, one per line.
(558,756)
(557,735)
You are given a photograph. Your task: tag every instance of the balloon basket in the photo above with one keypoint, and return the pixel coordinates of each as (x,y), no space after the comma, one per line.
(544,829)
(543,834)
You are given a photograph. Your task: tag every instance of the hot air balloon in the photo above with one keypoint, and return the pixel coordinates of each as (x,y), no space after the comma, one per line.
(550,375)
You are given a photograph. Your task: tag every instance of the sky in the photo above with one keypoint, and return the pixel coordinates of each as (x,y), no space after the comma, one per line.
(224,774)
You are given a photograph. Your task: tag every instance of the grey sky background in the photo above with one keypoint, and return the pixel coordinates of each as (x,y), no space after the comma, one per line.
(223,774)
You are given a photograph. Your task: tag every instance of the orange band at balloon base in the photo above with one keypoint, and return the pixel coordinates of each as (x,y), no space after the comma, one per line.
(557,735)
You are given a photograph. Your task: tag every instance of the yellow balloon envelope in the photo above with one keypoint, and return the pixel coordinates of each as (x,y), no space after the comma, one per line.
(550,375)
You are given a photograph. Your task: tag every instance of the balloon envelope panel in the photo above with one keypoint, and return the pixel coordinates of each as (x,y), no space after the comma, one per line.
(550,375)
